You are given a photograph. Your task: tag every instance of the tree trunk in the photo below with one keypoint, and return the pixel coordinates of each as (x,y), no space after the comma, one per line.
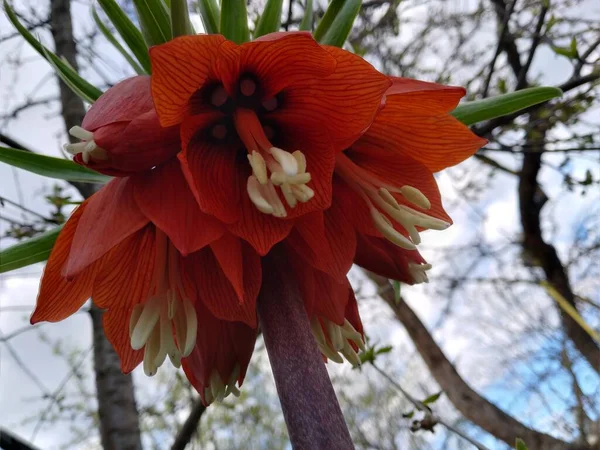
(119,429)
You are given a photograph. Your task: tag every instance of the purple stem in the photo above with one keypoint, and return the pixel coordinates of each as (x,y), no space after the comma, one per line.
(311,410)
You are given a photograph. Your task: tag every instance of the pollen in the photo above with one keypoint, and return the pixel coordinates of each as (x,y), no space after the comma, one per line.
(386,210)
(335,341)
(87,147)
(166,323)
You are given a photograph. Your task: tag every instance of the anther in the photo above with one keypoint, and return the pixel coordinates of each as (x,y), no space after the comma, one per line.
(419,272)
(385,227)
(288,162)
(259,167)
(415,196)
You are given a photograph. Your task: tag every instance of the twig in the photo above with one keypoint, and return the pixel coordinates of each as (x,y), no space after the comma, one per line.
(522,78)
(431,418)
(508,12)
(190,426)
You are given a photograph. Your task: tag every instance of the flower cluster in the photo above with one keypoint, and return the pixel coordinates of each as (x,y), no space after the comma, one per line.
(225,153)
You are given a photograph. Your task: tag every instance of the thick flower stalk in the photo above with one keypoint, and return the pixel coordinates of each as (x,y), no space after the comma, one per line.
(227,155)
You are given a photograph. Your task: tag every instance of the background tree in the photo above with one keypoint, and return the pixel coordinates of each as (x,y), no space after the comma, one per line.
(492,330)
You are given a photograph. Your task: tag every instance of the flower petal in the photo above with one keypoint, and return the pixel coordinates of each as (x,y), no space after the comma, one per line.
(285,60)
(213,172)
(110,216)
(344,104)
(220,346)
(140,145)
(380,256)
(58,297)
(415,124)
(444,98)
(124,282)
(216,290)
(179,68)
(397,170)
(165,198)
(123,102)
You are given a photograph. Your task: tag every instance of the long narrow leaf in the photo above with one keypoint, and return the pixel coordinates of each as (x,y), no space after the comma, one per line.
(128,32)
(307,20)
(180,18)
(331,13)
(81,87)
(342,24)
(234,20)
(29,252)
(270,20)
(116,44)
(49,166)
(502,105)
(154,21)
(211,15)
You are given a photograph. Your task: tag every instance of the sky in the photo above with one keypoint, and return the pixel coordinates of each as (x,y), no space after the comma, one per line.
(494,215)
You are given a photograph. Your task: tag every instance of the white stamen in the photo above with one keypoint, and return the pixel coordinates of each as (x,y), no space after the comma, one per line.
(418,272)
(145,323)
(259,167)
(81,133)
(415,196)
(301,160)
(385,227)
(288,162)
(256,197)
(340,340)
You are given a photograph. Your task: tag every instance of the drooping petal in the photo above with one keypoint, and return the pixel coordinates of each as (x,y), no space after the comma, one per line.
(58,297)
(124,102)
(164,196)
(222,347)
(344,104)
(326,241)
(416,124)
(110,216)
(180,68)
(442,98)
(140,145)
(397,170)
(352,315)
(380,256)
(214,171)
(354,207)
(285,60)
(124,282)
(216,290)
(229,254)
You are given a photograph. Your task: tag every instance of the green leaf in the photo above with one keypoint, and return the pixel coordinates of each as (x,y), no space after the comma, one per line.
(502,105)
(81,87)
(180,18)
(330,14)
(396,286)
(49,166)
(234,21)
(270,20)
(154,21)
(383,350)
(342,24)
(29,252)
(211,15)
(409,415)
(111,38)
(520,445)
(307,20)
(128,31)
(432,398)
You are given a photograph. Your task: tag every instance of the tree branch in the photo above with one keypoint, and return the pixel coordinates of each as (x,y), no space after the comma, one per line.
(468,402)
(190,426)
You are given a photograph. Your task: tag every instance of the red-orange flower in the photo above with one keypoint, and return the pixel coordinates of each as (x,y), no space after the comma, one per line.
(261,123)
(282,141)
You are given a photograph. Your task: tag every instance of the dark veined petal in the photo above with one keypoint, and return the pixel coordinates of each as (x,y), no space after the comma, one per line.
(164,196)
(124,282)
(110,216)
(416,123)
(179,68)
(343,104)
